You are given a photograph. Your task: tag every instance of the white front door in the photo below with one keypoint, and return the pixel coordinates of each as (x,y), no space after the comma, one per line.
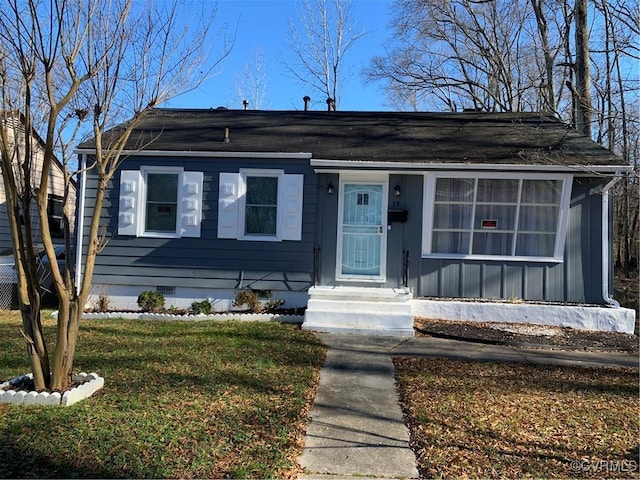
(362,226)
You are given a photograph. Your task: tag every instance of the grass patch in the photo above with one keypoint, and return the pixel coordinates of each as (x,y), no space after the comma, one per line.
(181,399)
(486,420)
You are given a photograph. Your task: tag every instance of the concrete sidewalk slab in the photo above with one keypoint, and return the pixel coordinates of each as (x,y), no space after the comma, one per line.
(357,427)
(456,349)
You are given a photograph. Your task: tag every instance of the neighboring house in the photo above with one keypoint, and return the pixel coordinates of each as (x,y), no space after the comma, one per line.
(361,216)
(56,189)
(56,192)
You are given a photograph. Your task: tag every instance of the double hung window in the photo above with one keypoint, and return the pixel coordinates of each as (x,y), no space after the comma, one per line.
(160,202)
(260,205)
(507,216)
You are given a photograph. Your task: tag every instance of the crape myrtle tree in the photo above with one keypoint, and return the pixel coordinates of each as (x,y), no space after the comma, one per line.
(70,70)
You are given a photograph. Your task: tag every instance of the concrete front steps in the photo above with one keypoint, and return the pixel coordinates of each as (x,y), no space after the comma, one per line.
(360,310)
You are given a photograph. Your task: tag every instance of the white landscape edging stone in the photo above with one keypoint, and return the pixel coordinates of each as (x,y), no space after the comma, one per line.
(92,383)
(248,317)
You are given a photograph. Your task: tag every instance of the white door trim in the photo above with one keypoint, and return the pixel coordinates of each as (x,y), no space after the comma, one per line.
(383,180)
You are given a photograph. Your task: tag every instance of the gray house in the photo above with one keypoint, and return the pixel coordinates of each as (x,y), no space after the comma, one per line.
(366,218)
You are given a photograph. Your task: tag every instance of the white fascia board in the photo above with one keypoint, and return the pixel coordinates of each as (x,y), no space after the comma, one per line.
(337,166)
(204,154)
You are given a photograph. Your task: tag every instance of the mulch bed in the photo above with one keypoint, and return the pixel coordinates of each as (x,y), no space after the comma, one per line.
(528,335)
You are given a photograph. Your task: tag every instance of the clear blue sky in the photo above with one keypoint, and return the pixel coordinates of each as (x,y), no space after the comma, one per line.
(264,25)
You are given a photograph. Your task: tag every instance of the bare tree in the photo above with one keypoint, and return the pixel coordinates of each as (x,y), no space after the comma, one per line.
(491,55)
(251,83)
(575,58)
(70,68)
(617,125)
(319,41)
(583,113)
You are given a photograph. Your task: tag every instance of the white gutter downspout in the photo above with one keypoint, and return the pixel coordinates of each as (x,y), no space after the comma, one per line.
(80,220)
(605,241)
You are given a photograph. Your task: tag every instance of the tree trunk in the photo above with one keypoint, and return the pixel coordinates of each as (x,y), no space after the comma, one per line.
(36,346)
(583,76)
(69,315)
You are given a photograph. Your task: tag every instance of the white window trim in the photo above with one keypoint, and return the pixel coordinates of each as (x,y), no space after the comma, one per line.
(144,171)
(428,210)
(255,172)
(364,179)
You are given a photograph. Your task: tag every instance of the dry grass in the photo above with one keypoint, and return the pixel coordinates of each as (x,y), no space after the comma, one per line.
(485,420)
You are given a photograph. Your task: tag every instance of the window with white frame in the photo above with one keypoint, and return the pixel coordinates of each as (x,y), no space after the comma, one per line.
(506,216)
(260,205)
(160,202)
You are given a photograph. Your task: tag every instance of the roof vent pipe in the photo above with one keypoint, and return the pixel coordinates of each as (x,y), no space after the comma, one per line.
(306,99)
(331,105)
(245,104)
(226,135)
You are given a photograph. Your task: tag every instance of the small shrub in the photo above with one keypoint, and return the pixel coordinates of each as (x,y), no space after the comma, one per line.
(204,307)
(273,304)
(249,298)
(151,301)
(102,304)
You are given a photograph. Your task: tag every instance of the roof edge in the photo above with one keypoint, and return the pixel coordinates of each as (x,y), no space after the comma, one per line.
(204,154)
(322,165)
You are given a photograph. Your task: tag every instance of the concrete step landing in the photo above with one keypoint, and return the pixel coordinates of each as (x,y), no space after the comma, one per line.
(360,310)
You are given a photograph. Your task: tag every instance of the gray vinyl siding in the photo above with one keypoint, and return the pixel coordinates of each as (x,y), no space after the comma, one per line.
(205,262)
(575,280)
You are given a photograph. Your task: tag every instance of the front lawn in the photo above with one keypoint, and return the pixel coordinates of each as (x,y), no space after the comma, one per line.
(486,420)
(181,399)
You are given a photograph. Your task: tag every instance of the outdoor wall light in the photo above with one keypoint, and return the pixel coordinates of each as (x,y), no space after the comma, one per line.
(330,189)
(396,191)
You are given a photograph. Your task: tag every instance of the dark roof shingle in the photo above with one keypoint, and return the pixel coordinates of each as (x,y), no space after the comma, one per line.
(469,137)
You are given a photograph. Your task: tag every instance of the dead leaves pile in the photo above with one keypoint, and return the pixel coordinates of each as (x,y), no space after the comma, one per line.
(511,421)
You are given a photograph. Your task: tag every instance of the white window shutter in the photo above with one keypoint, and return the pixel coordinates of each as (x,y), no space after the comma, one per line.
(129,210)
(228,210)
(290,207)
(191,201)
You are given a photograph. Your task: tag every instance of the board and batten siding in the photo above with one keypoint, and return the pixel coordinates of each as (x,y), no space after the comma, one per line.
(206,262)
(577,279)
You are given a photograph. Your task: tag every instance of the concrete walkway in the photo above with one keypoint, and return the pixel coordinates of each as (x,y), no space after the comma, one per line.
(357,427)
